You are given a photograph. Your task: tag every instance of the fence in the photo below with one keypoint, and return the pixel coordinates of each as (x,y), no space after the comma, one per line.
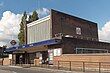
(85,66)
(99,67)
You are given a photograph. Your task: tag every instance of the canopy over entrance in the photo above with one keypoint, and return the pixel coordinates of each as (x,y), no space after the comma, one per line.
(38,46)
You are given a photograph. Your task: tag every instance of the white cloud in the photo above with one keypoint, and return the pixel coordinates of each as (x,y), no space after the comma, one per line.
(9,27)
(104,33)
(43,12)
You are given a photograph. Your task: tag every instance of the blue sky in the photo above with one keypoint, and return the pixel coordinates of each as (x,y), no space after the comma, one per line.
(18,6)
(94,10)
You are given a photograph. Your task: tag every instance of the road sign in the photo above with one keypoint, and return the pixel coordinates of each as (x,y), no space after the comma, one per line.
(13,42)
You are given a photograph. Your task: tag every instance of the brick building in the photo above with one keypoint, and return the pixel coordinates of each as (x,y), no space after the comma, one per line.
(58,34)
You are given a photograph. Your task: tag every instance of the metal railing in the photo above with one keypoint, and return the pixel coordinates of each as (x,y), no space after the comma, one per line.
(99,67)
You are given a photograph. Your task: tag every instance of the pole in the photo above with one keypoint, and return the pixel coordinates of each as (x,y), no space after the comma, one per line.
(99,67)
(70,65)
(58,64)
(83,67)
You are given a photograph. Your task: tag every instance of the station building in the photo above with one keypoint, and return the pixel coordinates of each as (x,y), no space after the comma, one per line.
(57,34)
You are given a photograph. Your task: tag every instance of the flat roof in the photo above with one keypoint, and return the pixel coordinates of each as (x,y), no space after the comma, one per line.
(39,21)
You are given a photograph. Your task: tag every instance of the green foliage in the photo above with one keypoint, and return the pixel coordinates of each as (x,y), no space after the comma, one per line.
(33,17)
(30,18)
(21,35)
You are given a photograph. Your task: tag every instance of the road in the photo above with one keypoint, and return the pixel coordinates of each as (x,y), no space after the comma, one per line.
(9,69)
(15,69)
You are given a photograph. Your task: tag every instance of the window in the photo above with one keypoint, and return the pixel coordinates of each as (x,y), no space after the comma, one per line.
(90,50)
(78,30)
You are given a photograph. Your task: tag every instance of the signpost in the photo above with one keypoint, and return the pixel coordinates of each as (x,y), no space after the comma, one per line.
(13,42)
(10,58)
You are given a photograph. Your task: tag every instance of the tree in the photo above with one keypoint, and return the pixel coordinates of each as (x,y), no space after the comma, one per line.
(33,17)
(30,18)
(21,35)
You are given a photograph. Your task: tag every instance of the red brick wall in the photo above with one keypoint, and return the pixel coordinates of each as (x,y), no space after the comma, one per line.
(90,61)
(84,57)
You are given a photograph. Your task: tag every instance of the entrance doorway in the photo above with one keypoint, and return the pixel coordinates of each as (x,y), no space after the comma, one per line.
(44,57)
(20,60)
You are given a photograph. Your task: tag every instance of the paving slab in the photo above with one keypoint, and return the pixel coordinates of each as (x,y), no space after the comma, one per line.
(3,71)
(54,70)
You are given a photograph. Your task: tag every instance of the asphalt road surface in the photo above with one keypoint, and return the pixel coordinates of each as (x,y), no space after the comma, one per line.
(8,69)
(15,69)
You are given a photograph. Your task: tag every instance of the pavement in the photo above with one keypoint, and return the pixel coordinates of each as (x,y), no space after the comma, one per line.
(18,69)
(53,70)
(4,71)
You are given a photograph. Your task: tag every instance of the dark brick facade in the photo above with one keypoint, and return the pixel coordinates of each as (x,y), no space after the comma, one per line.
(70,44)
(67,24)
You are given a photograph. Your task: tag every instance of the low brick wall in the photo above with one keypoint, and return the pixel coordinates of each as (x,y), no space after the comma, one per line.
(6,61)
(36,62)
(0,61)
(90,61)
(84,57)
